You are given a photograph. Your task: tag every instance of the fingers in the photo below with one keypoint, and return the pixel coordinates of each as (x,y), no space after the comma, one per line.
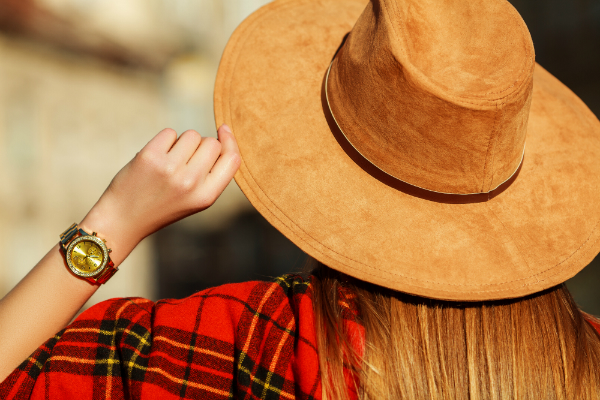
(229,142)
(205,157)
(228,163)
(186,146)
(199,168)
(162,142)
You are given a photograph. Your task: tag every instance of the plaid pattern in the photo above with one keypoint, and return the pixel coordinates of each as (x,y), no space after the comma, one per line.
(253,340)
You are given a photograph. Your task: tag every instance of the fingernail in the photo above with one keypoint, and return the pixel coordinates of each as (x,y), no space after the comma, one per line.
(226,128)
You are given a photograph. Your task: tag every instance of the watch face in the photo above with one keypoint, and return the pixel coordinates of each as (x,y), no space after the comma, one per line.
(87,256)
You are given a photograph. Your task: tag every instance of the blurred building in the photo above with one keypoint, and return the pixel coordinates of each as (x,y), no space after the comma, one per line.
(84,84)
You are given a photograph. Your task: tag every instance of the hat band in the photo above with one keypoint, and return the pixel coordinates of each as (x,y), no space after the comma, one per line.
(492,192)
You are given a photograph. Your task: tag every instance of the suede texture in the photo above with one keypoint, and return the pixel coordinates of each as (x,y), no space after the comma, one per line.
(429,102)
(537,232)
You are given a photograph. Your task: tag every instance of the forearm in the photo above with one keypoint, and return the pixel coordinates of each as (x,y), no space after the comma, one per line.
(40,305)
(49,296)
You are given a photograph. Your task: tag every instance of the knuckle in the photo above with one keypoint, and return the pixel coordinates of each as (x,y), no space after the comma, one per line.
(146,158)
(192,135)
(168,134)
(169,131)
(212,143)
(160,166)
(191,132)
(167,170)
(185,185)
(236,160)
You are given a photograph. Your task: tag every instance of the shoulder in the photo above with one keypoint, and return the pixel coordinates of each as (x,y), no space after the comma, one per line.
(236,299)
(257,330)
(231,298)
(230,313)
(228,336)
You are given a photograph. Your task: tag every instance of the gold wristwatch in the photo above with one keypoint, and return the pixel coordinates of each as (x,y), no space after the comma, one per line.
(86,255)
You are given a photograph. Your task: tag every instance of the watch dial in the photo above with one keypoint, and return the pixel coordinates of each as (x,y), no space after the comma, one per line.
(87,256)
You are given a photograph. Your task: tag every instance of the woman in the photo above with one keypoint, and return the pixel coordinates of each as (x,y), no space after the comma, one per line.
(396,156)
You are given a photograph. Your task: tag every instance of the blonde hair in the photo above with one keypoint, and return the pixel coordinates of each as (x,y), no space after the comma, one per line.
(535,347)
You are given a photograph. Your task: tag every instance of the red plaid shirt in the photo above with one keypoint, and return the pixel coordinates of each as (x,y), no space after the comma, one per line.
(253,340)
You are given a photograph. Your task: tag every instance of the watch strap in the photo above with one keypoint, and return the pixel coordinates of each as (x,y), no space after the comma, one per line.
(108,272)
(67,235)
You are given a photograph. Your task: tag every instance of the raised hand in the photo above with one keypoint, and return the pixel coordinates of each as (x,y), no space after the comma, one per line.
(169,179)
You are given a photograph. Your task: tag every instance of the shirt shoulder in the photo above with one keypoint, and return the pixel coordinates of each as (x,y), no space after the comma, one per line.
(218,342)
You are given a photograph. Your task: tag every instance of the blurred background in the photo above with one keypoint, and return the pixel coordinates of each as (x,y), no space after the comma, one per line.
(84,84)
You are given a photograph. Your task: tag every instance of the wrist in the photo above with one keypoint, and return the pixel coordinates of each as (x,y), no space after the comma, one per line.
(114,229)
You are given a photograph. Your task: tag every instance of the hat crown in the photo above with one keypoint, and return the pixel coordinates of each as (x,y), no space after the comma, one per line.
(465,48)
(436,93)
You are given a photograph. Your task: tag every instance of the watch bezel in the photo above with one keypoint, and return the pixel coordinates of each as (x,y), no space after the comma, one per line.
(105,257)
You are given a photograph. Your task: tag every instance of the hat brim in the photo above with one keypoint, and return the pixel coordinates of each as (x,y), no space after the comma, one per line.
(539,232)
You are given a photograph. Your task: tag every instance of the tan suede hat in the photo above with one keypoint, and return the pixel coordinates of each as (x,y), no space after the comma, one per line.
(414,144)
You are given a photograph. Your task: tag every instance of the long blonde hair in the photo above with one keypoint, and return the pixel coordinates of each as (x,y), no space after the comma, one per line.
(535,347)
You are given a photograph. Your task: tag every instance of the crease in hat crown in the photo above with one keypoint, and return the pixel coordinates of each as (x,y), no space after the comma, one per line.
(439,102)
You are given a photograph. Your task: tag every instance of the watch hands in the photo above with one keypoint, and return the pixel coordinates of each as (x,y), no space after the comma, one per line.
(80,251)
